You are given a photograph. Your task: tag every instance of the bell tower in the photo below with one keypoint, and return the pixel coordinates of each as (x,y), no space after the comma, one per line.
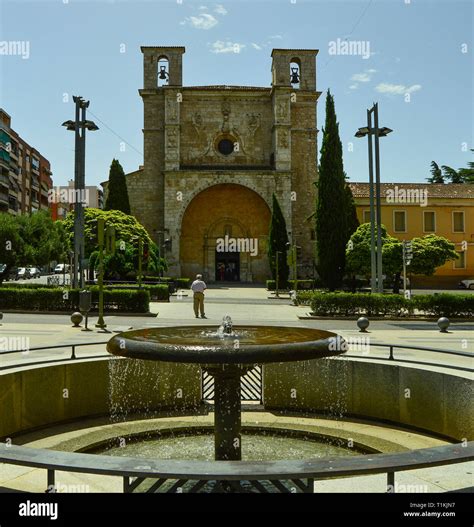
(294,139)
(152,55)
(162,86)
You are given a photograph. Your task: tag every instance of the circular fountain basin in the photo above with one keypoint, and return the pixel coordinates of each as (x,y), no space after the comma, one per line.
(246,344)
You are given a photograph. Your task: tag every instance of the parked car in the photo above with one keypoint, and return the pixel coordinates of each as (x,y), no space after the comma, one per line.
(467,284)
(12,274)
(3,269)
(61,268)
(34,272)
(22,273)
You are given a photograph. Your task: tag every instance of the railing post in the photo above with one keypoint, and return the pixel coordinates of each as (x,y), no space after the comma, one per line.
(126,484)
(391,353)
(51,481)
(73,355)
(391,482)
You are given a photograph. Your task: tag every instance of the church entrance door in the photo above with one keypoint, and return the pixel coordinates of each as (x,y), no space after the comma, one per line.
(227,266)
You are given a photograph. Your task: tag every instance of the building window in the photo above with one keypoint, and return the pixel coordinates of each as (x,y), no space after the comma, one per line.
(429,221)
(225,146)
(460,263)
(458,221)
(366,216)
(399,221)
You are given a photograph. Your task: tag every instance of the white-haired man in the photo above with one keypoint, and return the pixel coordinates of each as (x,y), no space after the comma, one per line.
(198,287)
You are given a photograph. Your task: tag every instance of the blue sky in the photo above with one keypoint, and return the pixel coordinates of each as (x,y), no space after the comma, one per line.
(417,47)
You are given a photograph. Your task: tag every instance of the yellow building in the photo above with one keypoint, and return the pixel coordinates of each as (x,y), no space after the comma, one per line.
(411,210)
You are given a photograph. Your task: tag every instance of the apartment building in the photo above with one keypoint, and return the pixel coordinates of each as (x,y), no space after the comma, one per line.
(412,210)
(25,175)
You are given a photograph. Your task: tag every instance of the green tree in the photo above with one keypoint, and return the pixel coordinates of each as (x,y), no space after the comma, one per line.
(452,174)
(127,233)
(277,240)
(467,174)
(331,216)
(351,212)
(117,193)
(44,239)
(436,173)
(429,253)
(11,243)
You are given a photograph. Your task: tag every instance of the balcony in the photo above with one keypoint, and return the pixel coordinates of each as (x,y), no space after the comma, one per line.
(4,180)
(35,184)
(3,197)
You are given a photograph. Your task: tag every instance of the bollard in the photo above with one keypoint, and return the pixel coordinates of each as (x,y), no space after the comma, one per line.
(443,324)
(363,324)
(76,319)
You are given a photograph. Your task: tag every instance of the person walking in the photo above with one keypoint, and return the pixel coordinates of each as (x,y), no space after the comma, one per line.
(198,287)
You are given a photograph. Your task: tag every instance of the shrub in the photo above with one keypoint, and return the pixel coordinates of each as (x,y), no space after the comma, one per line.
(58,299)
(348,304)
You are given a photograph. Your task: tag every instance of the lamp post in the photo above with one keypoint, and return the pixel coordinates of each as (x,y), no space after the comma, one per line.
(277,257)
(79,127)
(376,281)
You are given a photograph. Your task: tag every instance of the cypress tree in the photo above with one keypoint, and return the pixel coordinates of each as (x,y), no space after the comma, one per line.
(117,193)
(351,213)
(331,211)
(278,238)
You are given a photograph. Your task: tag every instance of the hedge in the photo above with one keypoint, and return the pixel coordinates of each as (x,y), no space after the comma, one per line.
(354,304)
(157,292)
(59,299)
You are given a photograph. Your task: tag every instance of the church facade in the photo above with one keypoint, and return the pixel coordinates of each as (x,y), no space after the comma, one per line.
(214,156)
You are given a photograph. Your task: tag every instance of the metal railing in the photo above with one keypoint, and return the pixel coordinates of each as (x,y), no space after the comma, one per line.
(194,475)
(282,476)
(49,361)
(391,355)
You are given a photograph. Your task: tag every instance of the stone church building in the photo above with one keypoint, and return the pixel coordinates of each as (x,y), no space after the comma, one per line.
(213,157)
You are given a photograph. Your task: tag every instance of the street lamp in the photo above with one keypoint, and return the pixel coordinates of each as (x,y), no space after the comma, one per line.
(376,282)
(79,127)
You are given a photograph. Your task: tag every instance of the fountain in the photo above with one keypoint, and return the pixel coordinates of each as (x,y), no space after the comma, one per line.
(227,354)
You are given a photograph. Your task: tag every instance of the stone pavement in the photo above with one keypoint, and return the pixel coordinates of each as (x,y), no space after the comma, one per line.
(246,305)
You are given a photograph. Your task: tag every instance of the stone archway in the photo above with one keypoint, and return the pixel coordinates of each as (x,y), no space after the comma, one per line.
(226,218)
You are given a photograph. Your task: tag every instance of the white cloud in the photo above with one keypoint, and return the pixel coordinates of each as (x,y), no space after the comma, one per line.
(396,89)
(202,21)
(275,37)
(360,77)
(220,10)
(256,46)
(365,76)
(202,8)
(220,46)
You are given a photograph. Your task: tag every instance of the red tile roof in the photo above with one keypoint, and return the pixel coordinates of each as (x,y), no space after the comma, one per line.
(447,190)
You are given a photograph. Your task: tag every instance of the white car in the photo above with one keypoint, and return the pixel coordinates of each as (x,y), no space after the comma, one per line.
(61,268)
(468,283)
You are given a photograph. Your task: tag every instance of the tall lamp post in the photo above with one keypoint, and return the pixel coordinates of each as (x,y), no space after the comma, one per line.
(373,130)
(79,127)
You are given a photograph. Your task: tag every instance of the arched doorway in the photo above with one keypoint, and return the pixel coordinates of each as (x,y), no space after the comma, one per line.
(224,235)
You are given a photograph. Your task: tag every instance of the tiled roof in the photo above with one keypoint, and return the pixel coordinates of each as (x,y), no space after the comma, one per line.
(446,190)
